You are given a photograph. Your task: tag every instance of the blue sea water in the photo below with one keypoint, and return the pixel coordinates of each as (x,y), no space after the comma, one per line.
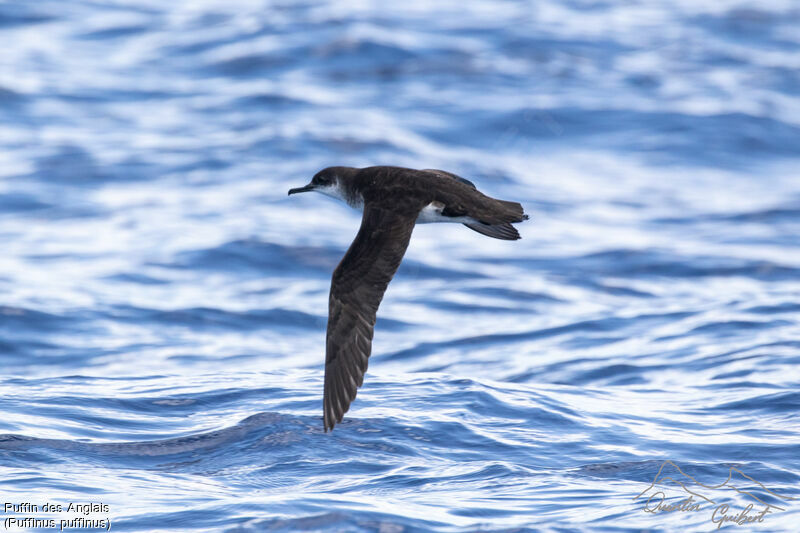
(164,303)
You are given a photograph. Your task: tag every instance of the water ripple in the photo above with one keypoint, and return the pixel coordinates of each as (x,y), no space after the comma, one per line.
(164,303)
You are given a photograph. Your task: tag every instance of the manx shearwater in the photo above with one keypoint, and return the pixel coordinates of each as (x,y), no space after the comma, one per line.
(393,200)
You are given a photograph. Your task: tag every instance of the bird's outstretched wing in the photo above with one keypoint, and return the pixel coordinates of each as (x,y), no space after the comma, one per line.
(450,175)
(357,289)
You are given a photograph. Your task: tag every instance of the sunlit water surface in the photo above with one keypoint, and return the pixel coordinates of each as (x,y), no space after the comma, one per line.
(164,303)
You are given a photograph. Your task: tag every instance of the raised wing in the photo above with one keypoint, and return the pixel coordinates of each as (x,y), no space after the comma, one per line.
(357,289)
(449,175)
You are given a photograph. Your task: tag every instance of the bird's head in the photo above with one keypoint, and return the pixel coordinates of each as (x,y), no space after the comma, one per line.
(328,181)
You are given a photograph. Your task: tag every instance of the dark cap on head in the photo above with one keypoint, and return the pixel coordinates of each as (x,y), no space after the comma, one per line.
(324,178)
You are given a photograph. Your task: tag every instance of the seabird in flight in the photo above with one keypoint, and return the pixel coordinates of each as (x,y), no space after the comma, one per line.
(393,200)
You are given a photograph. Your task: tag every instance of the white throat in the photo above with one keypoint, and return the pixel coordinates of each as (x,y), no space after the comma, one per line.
(336,191)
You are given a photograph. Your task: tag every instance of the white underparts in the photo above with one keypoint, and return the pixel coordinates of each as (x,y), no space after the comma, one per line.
(433,213)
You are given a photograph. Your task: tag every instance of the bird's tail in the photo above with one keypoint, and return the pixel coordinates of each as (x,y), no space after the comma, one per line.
(498,225)
(514,211)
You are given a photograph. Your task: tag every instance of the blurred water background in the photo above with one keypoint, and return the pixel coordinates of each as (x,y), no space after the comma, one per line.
(164,303)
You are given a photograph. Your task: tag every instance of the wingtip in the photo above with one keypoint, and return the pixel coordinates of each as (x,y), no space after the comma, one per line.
(329,418)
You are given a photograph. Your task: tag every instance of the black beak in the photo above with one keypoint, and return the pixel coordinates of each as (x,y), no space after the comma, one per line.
(307,188)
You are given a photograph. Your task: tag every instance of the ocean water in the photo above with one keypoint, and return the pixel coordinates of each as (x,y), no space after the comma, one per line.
(163,303)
